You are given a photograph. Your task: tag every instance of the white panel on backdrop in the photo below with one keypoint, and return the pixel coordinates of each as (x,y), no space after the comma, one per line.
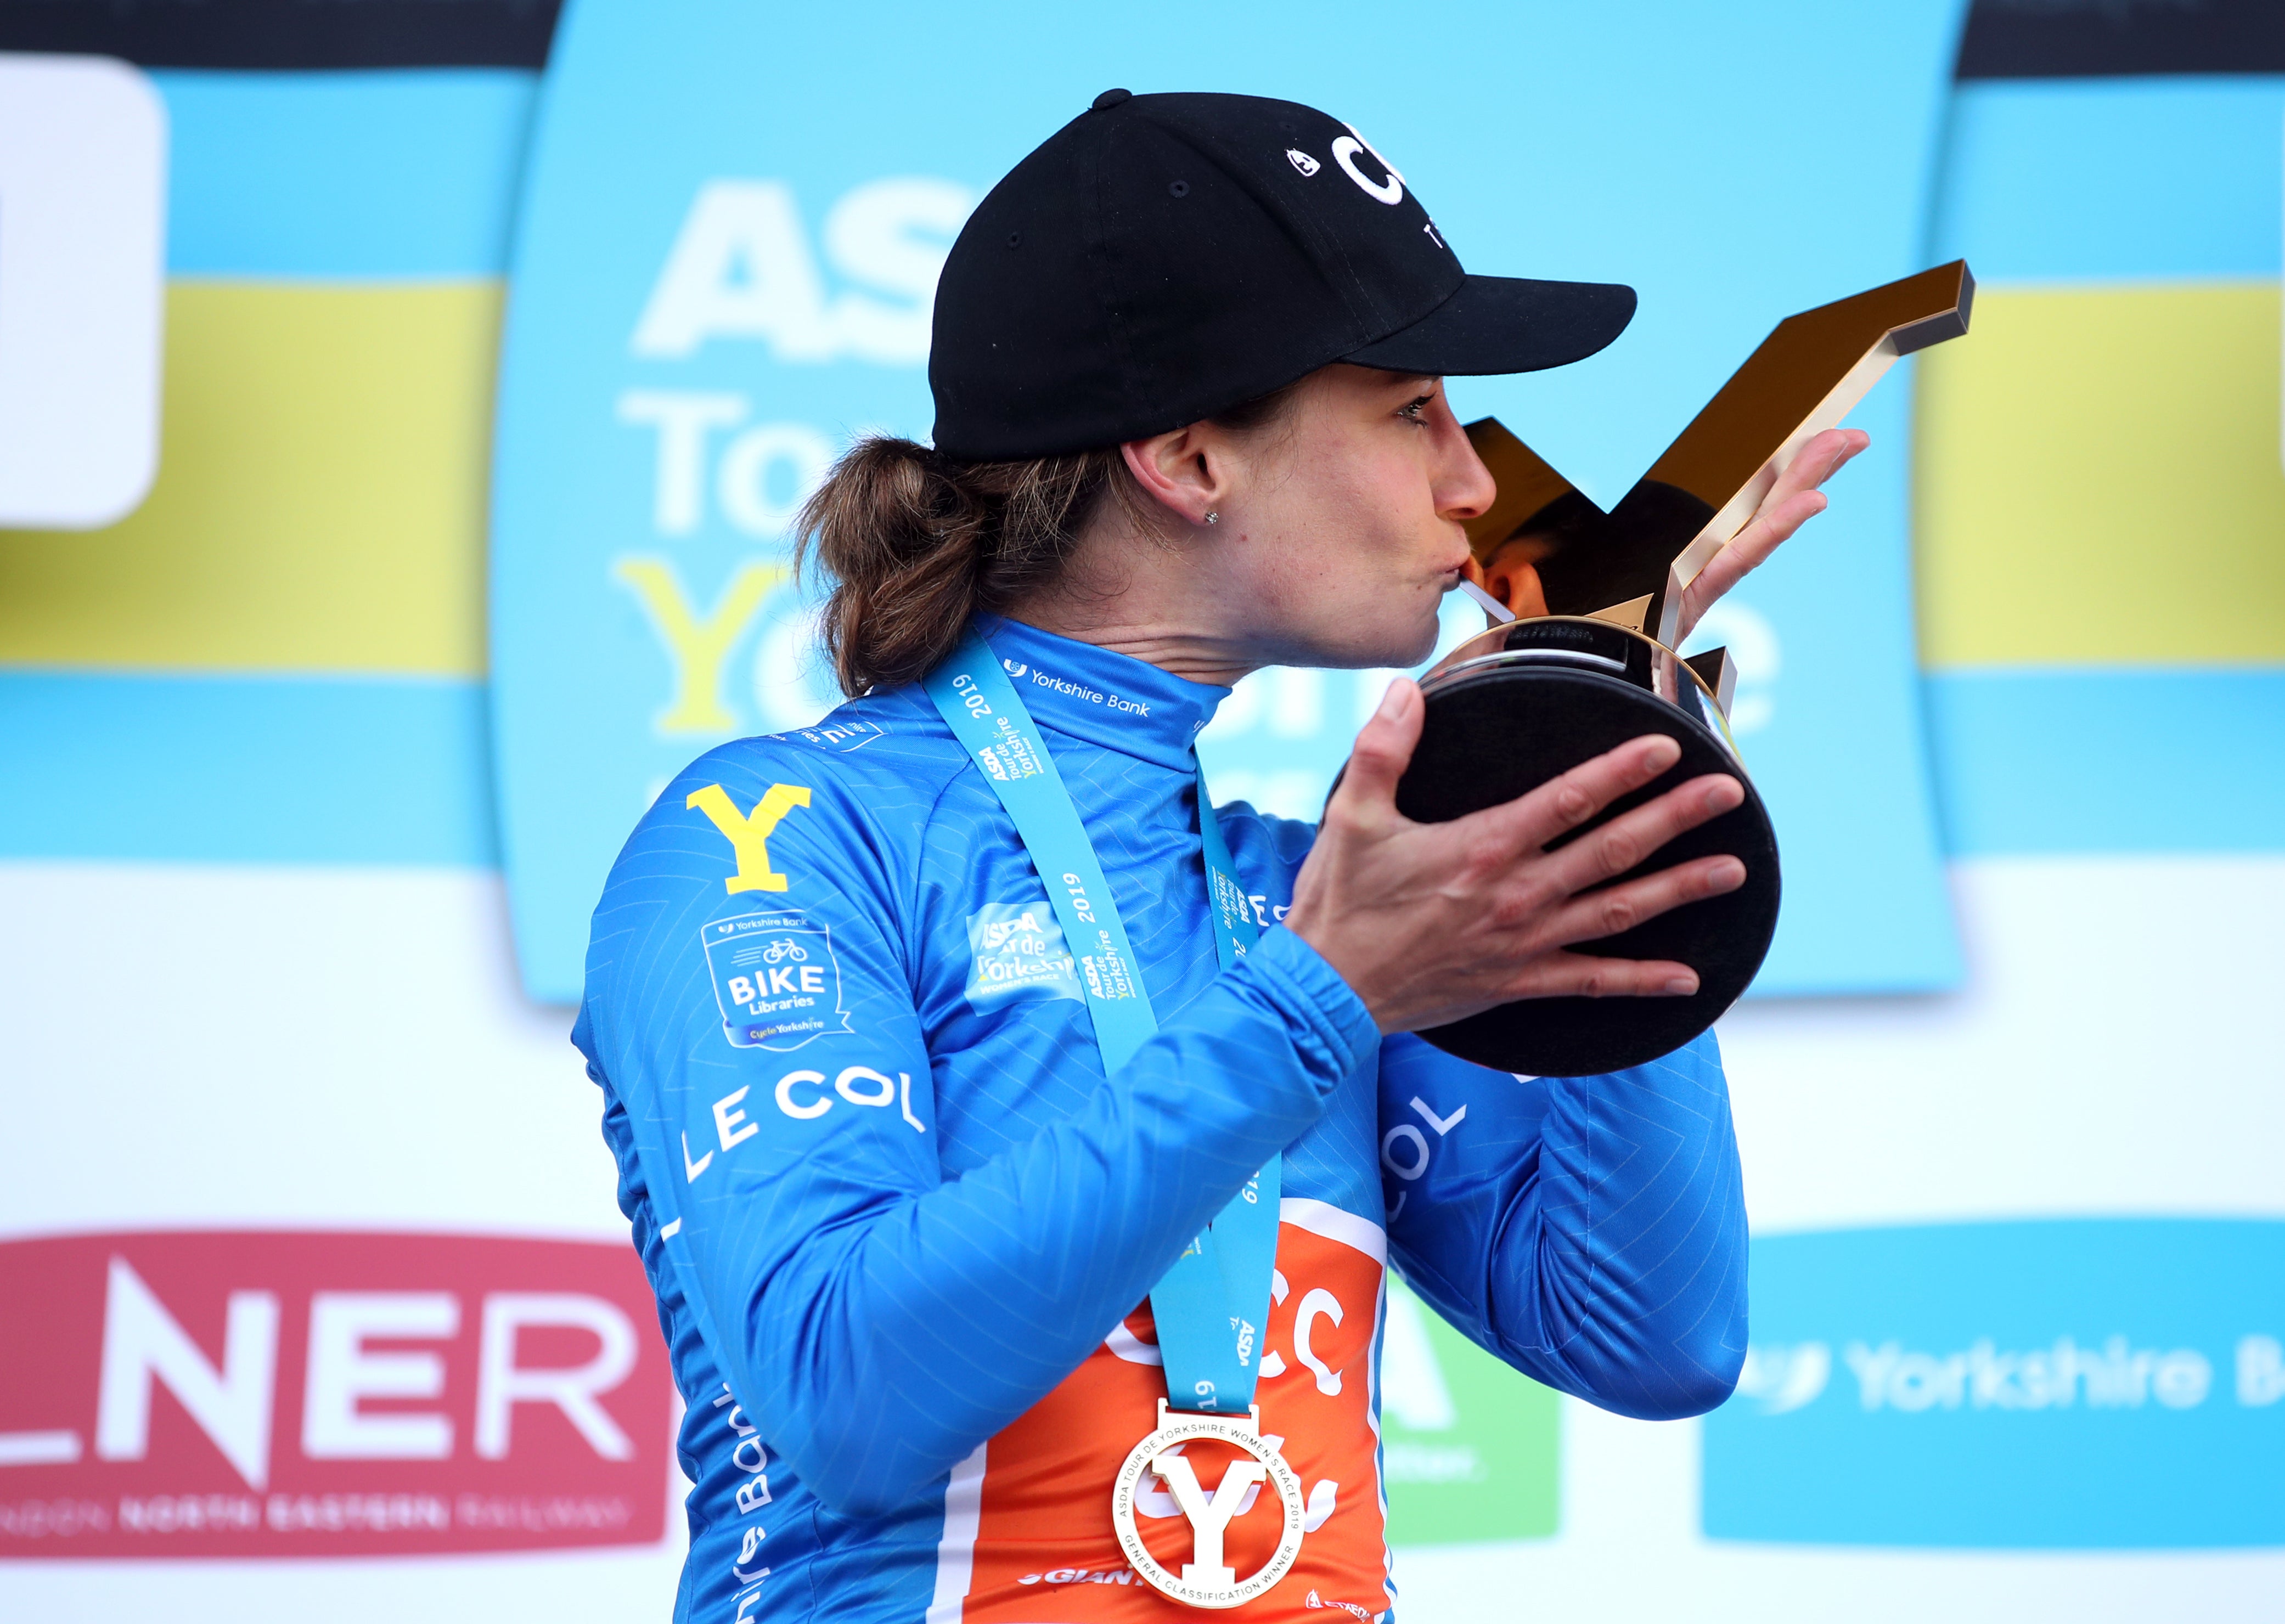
(283,1052)
(310,1041)
(2115,1051)
(83,260)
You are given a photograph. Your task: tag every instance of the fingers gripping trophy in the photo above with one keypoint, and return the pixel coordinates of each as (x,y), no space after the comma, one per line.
(1590,609)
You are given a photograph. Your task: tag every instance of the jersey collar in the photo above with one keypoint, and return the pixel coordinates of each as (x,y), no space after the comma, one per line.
(1107,699)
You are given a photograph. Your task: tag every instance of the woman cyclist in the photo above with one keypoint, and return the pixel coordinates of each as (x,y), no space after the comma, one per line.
(1072,1111)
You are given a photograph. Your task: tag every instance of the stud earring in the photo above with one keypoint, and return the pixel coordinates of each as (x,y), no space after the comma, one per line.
(1212,517)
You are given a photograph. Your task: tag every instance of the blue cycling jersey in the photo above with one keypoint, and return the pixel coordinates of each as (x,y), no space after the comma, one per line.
(901,1227)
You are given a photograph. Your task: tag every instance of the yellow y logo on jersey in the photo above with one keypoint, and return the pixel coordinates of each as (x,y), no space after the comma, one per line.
(748,833)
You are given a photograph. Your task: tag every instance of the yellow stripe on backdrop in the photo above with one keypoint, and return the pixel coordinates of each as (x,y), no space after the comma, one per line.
(2099,484)
(320,499)
(2098,480)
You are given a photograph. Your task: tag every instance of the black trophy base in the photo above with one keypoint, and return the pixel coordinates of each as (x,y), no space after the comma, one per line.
(1502,730)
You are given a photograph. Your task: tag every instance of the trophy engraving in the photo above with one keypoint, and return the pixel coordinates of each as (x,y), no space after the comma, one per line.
(1590,660)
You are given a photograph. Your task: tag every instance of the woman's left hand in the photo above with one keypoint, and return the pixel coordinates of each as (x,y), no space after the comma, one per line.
(1793,501)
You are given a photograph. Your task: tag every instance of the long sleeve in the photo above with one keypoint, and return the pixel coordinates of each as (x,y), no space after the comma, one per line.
(878,1318)
(1590,1231)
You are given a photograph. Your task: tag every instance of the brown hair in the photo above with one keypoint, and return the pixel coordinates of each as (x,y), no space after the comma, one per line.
(917,543)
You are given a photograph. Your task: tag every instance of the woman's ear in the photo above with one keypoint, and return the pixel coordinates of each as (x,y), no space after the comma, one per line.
(1183,471)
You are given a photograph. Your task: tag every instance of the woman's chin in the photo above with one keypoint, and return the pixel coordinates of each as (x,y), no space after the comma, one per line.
(1399,647)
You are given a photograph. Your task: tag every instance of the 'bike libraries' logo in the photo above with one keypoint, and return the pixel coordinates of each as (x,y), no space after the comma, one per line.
(775,980)
(237,1393)
(2113,1382)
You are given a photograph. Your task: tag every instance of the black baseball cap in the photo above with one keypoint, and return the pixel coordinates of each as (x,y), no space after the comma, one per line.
(1162,258)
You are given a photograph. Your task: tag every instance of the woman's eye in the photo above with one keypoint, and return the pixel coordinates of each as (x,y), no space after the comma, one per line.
(1416,411)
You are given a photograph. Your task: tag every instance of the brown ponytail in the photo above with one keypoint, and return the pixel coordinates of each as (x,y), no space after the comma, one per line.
(917,543)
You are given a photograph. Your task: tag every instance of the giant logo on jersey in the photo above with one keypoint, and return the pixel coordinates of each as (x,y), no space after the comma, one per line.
(258,1394)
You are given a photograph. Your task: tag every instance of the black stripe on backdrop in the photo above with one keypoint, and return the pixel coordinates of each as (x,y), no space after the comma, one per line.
(288,34)
(2083,39)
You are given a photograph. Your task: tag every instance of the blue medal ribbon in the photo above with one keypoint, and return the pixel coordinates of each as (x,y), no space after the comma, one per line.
(1211,1307)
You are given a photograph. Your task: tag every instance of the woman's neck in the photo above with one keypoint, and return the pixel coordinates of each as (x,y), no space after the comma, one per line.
(1190,654)
(1156,606)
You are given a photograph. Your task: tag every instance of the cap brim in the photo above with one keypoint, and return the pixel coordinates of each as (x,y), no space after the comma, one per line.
(1506,324)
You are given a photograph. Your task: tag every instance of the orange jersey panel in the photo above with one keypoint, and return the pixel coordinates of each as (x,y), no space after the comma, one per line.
(1045,1551)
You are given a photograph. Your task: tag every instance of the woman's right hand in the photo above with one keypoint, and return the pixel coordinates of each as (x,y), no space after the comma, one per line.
(1431,922)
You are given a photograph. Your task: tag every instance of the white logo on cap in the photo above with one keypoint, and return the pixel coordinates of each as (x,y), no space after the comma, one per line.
(1302,161)
(1344,151)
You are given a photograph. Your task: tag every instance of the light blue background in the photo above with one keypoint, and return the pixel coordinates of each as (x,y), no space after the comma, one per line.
(2086,180)
(1732,164)
(390,174)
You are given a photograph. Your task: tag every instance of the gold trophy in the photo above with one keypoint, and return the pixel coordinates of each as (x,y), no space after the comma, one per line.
(1535,696)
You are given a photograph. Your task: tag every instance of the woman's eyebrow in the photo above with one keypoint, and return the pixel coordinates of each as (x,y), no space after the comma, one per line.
(1411,386)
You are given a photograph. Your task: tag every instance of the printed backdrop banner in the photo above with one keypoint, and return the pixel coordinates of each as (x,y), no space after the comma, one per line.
(2097,1384)
(318,1300)
(368,1394)
(730,236)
